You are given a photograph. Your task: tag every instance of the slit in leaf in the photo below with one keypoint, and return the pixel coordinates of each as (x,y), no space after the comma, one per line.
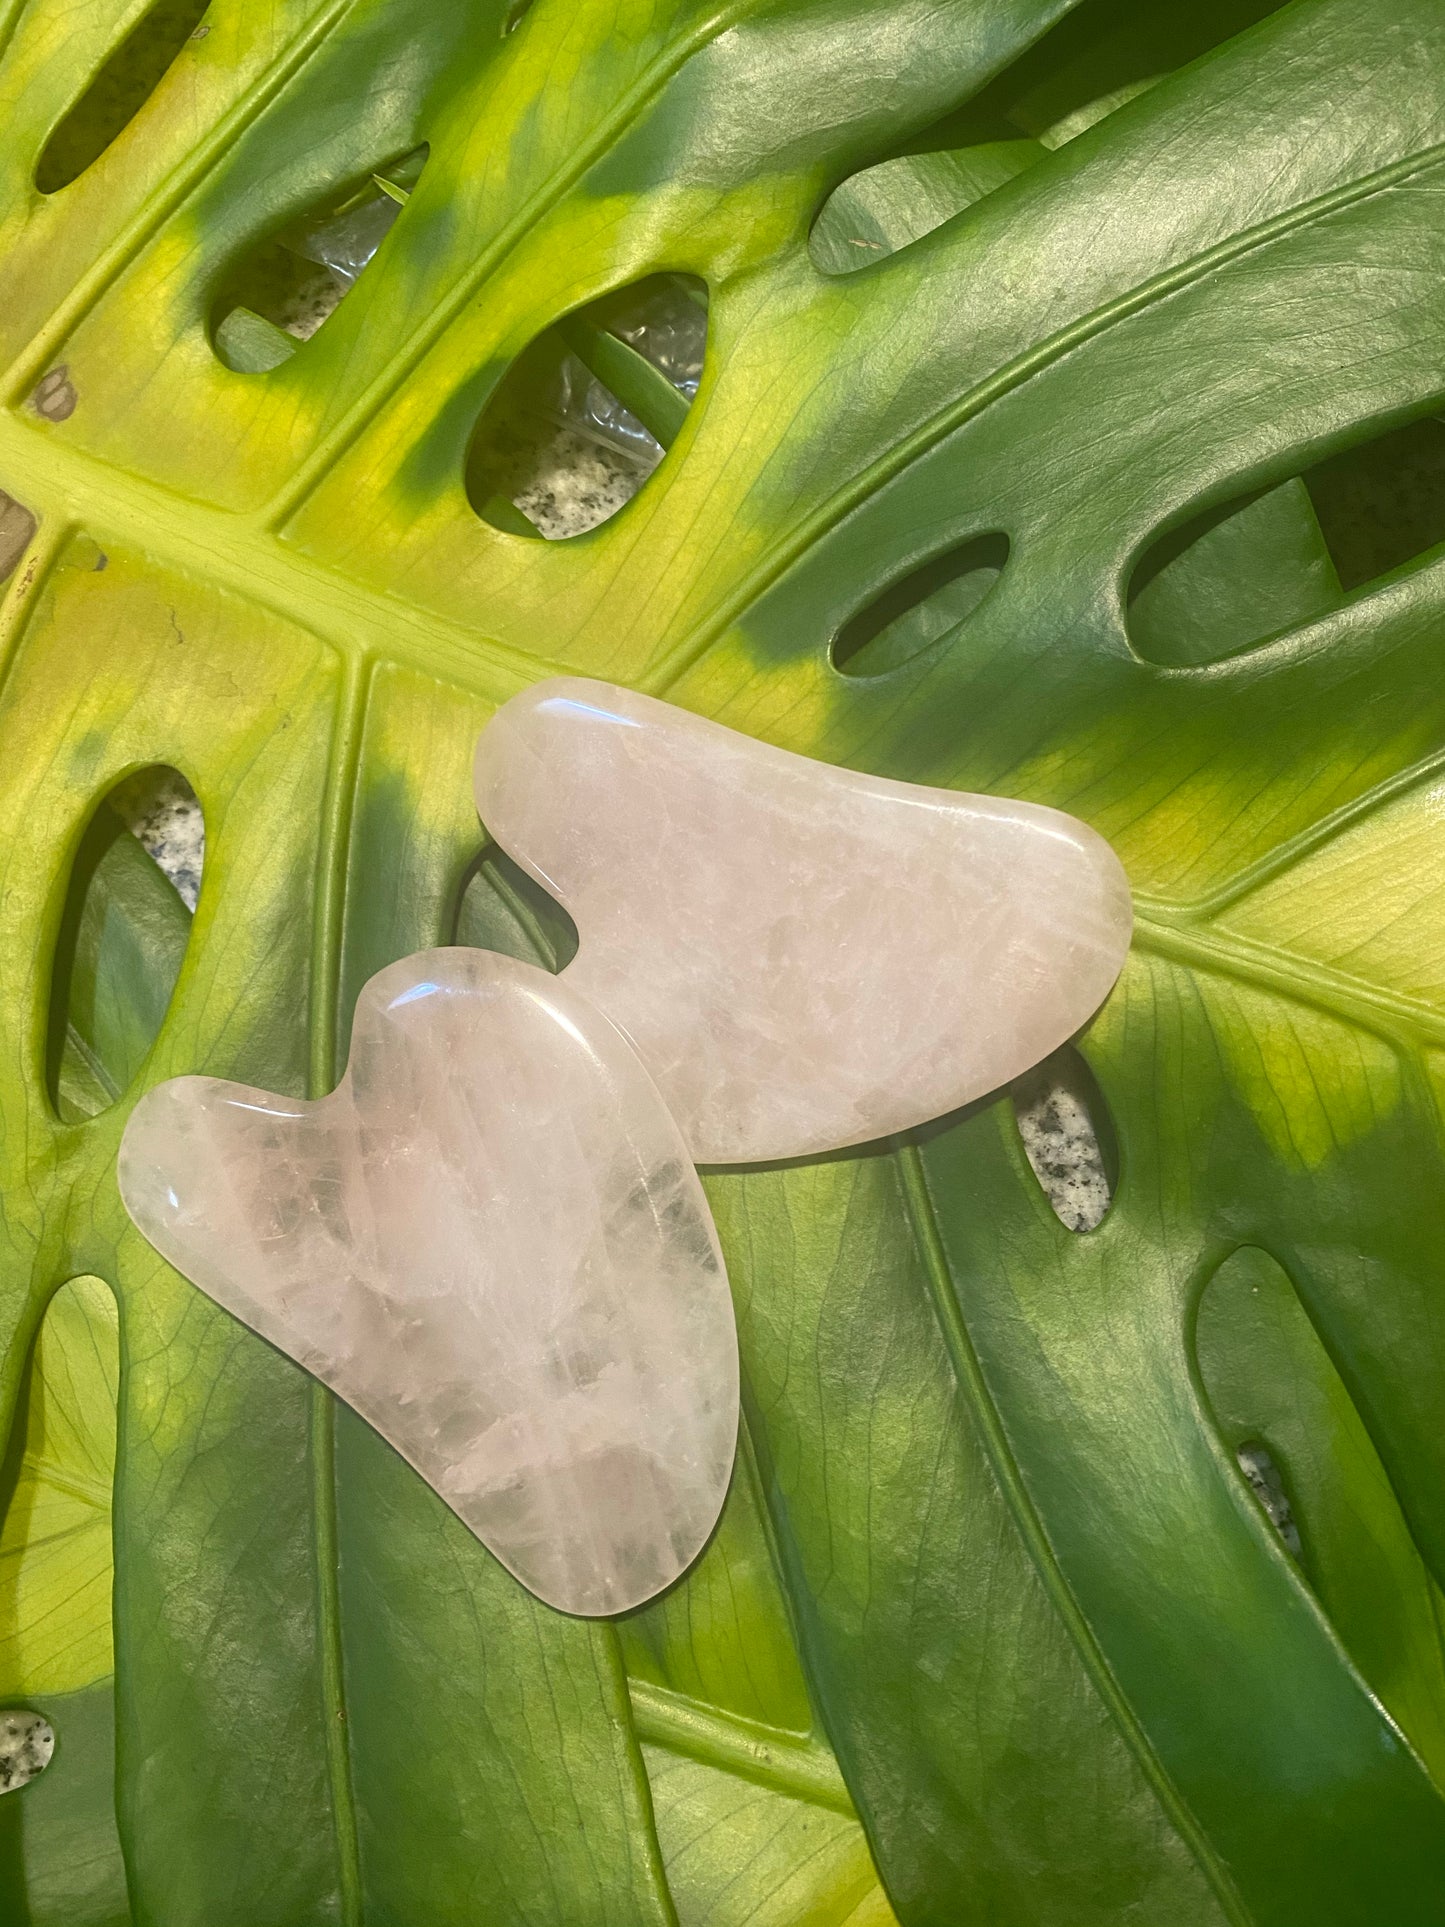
(122,940)
(1275,559)
(1068,1138)
(585,414)
(282,292)
(126,80)
(1286,1416)
(897,201)
(500,907)
(1093,62)
(911,614)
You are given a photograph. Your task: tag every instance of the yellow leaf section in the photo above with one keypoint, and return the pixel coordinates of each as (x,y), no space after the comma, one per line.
(55,1550)
(1273,1050)
(1369,903)
(151,390)
(721,1636)
(414,829)
(391,511)
(1189,830)
(743,1855)
(798,702)
(56,245)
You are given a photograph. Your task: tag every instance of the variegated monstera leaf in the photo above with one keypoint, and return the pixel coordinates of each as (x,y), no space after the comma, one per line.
(1065,430)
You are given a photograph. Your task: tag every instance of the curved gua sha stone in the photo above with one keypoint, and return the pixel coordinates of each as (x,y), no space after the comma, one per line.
(805,957)
(490,1241)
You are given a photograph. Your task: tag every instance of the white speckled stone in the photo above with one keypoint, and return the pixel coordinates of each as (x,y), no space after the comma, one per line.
(27,1740)
(1062,1145)
(491,1242)
(805,957)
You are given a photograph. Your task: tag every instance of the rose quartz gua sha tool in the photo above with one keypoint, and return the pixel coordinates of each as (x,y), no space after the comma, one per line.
(804,957)
(489,1240)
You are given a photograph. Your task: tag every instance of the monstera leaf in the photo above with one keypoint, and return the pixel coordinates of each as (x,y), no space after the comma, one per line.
(1065,430)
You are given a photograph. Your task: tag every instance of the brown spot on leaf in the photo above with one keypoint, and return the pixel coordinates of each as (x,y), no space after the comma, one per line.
(17,526)
(55,397)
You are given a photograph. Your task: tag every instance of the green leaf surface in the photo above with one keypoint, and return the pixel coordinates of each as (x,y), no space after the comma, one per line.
(639,386)
(1051,499)
(55,1557)
(898,201)
(59,1850)
(251,344)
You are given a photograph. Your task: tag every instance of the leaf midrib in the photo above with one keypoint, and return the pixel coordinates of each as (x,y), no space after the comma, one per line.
(1396,1017)
(333,848)
(69,488)
(789,1764)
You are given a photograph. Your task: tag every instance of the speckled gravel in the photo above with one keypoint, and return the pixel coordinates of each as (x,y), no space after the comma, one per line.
(566,483)
(160,808)
(26,1744)
(1062,1145)
(1268,1487)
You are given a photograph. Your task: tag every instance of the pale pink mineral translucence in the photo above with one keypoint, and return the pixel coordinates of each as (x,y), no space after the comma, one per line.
(805,957)
(491,1242)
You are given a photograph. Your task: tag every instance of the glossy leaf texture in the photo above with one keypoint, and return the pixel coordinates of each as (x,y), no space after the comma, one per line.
(1043,500)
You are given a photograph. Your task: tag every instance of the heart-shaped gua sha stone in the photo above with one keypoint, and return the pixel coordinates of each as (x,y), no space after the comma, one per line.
(489,1240)
(805,957)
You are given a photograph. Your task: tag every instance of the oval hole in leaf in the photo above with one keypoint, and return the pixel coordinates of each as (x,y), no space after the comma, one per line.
(585,414)
(55,1494)
(1068,1138)
(898,201)
(122,940)
(284,291)
(17,531)
(1263,563)
(1287,1417)
(1093,62)
(126,80)
(912,613)
(27,1741)
(500,907)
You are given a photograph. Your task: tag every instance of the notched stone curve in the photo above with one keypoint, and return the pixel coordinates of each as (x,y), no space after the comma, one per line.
(805,957)
(489,1240)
